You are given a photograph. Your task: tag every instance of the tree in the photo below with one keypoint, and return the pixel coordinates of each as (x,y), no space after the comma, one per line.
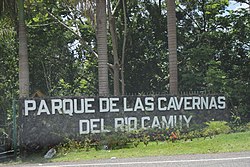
(101,19)
(124,46)
(145,67)
(74,12)
(8,66)
(116,65)
(118,57)
(23,54)
(172,47)
(63,61)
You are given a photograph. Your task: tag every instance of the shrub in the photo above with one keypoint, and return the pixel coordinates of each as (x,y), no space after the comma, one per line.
(112,140)
(146,139)
(191,135)
(248,126)
(215,128)
(68,146)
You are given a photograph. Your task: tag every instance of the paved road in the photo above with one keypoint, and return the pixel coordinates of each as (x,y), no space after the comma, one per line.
(240,159)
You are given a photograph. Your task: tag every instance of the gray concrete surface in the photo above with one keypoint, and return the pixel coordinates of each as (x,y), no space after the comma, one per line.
(238,159)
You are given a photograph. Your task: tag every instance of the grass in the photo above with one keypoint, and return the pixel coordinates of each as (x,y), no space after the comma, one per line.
(234,142)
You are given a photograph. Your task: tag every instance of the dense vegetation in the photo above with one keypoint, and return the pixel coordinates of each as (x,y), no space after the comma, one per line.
(213,49)
(145,146)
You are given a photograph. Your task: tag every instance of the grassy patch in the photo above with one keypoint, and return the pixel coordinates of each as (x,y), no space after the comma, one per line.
(234,142)
(222,143)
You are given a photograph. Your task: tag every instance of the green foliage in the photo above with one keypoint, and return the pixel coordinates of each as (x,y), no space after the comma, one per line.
(70,145)
(191,135)
(234,142)
(136,142)
(106,141)
(216,78)
(2,131)
(237,125)
(119,140)
(146,139)
(87,144)
(60,65)
(146,61)
(213,50)
(8,64)
(6,30)
(115,140)
(216,127)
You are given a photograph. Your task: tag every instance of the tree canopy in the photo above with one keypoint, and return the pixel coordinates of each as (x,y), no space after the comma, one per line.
(213,48)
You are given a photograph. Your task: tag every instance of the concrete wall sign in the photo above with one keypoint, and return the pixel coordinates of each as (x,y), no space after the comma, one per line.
(49,120)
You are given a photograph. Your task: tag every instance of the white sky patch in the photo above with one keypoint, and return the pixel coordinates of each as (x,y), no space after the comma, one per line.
(73,46)
(233,5)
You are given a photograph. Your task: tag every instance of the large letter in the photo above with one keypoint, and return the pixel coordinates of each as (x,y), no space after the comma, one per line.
(27,106)
(102,126)
(156,123)
(69,110)
(204,103)
(55,107)
(132,121)
(89,105)
(160,100)
(76,108)
(178,104)
(149,103)
(43,108)
(119,124)
(213,103)
(81,128)
(138,104)
(113,104)
(196,102)
(221,102)
(143,122)
(93,125)
(187,120)
(104,104)
(171,103)
(125,105)
(169,123)
(187,105)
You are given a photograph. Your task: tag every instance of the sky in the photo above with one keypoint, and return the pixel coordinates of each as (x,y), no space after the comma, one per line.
(233,5)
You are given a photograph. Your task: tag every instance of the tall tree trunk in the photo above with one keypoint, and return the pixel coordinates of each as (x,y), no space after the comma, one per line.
(124,46)
(101,19)
(172,46)
(23,54)
(116,65)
